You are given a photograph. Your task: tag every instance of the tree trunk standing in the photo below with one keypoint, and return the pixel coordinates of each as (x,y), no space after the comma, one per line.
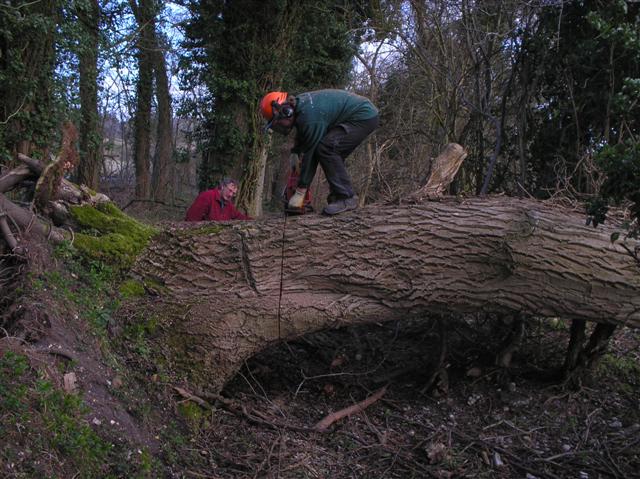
(145,17)
(252,191)
(220,291)
(251,194)
(27,62)
(90,138)
(164,143)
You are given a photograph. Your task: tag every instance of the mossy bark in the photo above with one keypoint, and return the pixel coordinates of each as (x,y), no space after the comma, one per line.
(109,234)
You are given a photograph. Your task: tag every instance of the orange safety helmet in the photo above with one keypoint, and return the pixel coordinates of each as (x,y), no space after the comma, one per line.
(265,104)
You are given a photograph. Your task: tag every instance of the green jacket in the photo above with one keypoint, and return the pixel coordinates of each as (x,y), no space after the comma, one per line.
(318,111)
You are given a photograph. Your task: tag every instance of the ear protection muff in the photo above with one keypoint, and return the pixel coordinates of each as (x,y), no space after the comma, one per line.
(286,110)
(283,110)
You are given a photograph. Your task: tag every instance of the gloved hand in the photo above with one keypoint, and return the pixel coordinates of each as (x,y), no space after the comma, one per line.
(297,200)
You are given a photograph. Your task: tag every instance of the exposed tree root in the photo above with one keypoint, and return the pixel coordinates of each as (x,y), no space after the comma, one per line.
(581,359)
(439,371)
(511,344)
(576,341)
(7,235)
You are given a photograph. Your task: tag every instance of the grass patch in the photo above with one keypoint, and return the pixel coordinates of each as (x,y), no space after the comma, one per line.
(88,285)
(43,428)
(624,369)
(45,431)
(137,333)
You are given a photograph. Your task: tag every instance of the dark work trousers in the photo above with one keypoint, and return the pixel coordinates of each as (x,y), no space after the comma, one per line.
(332,150)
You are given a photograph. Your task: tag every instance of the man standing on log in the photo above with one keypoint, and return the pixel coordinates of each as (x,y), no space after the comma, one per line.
(330,124)
(216,204)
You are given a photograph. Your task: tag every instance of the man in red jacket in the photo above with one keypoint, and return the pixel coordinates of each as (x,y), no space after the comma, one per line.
(216,204)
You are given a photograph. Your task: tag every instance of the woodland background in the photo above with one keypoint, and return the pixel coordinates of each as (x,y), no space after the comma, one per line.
(543,94)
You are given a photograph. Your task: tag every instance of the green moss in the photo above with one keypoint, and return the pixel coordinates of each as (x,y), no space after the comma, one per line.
(109,235)
(625,369)
(193,413)
(155,286)
(202,231)
(131,289)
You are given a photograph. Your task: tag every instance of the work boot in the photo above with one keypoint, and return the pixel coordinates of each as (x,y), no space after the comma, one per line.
(340,206)
(332,198)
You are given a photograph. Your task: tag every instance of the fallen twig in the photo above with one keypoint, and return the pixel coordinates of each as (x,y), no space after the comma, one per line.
(55,352)
(328,420)
(514,460)
(192,397)
(229,405)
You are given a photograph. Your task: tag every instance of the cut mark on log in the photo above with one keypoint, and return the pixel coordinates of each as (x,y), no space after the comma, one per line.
(246,263)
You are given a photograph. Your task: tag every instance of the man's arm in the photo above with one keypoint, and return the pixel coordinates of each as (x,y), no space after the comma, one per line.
(199,210)
(237,215)
(309,136)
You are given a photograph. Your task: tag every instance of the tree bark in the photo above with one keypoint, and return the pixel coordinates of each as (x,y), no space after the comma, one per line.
(145,17)
(220,291)
(27,63)
(160,180)
(90,137)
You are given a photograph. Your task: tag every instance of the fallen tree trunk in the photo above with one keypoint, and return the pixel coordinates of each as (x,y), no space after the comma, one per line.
(29,222)
(55,196)
(221,283)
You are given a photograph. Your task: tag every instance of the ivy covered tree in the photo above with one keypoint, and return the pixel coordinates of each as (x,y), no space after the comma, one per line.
(587,58)
(29,104)
(619,158)
(586,117)
(49,72)
(89,16)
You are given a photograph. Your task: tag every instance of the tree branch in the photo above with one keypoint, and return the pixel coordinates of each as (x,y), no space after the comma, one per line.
(328,420)
(6,232)
(9,180)
(29,221)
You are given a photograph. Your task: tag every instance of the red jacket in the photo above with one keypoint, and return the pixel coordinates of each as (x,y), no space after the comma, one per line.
(210,206)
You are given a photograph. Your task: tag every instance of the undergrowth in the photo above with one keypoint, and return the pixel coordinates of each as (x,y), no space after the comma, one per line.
(46,433)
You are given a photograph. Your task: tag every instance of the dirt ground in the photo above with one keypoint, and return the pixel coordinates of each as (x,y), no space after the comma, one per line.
(483,423)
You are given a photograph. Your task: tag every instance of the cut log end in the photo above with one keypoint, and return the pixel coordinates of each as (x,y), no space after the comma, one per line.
(443,172)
